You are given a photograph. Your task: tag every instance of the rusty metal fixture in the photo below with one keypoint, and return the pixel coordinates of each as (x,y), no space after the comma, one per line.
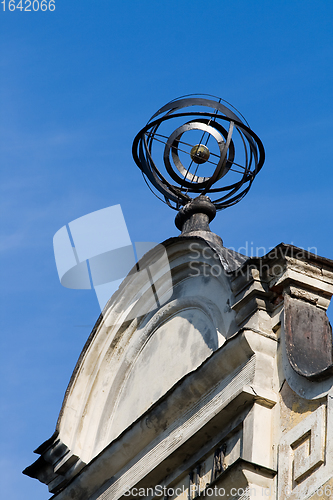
(203,147)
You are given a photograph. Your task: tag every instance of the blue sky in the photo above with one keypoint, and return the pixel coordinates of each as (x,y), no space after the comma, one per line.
(76,85)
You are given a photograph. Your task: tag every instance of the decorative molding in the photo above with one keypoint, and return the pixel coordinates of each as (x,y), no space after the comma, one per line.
(56,465)
(218,462)
(306,454)
(309,446)
(180,432)
(288,277)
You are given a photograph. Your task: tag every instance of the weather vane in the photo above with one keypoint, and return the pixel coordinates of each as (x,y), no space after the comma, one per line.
(198,145)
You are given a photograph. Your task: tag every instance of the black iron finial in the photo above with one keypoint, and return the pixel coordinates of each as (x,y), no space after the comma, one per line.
(196,141)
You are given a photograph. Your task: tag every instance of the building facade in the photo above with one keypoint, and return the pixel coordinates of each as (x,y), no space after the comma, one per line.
(208,374)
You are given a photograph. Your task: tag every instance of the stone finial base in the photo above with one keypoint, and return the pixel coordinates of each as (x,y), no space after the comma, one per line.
(195,215)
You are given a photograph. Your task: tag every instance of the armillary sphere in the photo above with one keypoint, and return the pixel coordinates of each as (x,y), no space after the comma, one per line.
(202,146)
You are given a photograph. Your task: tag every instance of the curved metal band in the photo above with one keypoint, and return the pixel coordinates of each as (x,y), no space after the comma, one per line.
(190,183)
(209,103)
(172,147)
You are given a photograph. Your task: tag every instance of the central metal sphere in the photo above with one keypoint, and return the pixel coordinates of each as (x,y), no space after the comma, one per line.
(199,154)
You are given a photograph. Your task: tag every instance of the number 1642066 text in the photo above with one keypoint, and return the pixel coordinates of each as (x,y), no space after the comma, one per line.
(28,5)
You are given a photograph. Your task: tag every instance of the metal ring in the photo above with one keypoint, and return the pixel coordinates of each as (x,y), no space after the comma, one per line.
(172,146)
(240,152)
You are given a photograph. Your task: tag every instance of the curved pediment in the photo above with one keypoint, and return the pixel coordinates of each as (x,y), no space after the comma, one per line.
(148,338)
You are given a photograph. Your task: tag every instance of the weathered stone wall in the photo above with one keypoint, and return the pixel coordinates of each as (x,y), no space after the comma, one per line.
(226,387)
